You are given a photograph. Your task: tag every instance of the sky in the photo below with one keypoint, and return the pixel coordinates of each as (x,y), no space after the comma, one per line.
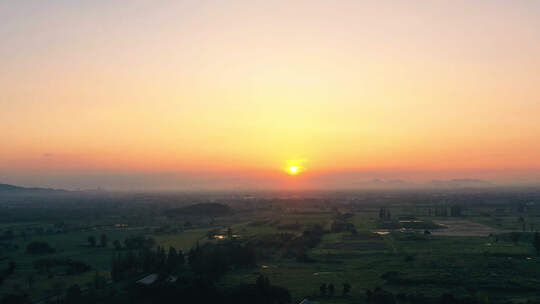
(228,94)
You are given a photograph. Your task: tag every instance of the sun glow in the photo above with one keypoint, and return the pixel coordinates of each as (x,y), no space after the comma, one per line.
(293,169)
(295,166)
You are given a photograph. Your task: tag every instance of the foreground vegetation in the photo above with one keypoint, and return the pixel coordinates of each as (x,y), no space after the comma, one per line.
(369,247)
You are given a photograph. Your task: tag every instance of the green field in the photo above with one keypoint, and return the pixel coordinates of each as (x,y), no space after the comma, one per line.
(74,245)
(484,252)
(426,264)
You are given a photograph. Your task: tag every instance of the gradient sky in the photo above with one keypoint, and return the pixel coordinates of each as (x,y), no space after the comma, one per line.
(224,94)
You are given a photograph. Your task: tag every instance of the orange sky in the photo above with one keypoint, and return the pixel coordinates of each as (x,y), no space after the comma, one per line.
(229,93)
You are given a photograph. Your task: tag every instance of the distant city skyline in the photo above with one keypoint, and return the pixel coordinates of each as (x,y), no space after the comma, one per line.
(226,95)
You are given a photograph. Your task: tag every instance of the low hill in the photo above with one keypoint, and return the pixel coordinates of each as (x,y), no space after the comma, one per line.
(7,189)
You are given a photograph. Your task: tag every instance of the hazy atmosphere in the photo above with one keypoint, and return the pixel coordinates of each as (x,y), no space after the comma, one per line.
(230,94)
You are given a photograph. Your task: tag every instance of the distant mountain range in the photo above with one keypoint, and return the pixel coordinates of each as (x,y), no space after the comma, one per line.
(6,189)
(373,184)
(460,183)
(453,183)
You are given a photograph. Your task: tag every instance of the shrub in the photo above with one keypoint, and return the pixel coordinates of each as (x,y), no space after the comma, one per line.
(39,248)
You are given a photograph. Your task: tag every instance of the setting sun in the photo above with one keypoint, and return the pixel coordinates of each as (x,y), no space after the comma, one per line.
(295,166)
(293,169)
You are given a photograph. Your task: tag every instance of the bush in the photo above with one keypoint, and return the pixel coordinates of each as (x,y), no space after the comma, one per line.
(213,260)
(39,248)
(74,295)
(409,258)
(341,226)
(138,243)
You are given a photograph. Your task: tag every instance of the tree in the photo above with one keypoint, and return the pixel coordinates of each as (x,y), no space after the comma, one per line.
(172,259)
(262,284)
(117,245)
(536,242)
(384,214)
(99,281)
(322,288)
(194,255)
(92,241)
(161,257)
(522,221)
(103,240)
(455,210)
(59,286)
(115,269)
(447,298)
(380,296)
(39,248)
(181,258)
(30,280)
(175,259)
(11,268)
(8,235)
(515,236)
(262,292)
(331,289)
(139,242)
(346,288)
(73,294)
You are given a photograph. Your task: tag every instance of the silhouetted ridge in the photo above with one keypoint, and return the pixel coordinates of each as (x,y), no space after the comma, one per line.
(16,189)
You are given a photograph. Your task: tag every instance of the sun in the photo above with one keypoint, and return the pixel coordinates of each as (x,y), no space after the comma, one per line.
(293,170)
(294,167)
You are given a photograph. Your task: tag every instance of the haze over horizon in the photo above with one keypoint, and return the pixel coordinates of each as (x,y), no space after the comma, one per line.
(227,95)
